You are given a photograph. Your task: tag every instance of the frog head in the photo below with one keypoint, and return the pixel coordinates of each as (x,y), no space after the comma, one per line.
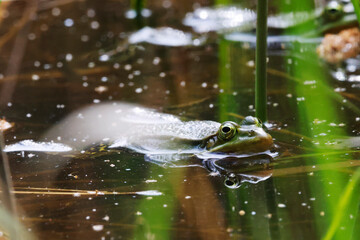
(246,137)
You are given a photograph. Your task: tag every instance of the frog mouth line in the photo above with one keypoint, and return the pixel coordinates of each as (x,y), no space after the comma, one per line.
(256,145)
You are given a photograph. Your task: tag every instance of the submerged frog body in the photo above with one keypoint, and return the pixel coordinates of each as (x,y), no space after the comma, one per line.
(198,136)
(147,131)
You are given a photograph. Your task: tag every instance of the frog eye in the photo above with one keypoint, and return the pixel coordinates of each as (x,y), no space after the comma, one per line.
(249,120)
(227,131)
(232,182)
(333,10)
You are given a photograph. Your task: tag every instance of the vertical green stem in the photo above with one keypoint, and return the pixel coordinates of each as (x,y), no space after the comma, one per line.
(8,200)
(138,6)
(261,46)
(356,4)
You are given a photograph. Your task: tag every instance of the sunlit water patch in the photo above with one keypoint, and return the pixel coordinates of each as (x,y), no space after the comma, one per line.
(276,42)
(30,145)
(220,18)
(164,36)
(223,19)
(230,18)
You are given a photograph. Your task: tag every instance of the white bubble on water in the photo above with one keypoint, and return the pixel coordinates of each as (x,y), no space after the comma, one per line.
(84,38)
(127,67)
(94,24)
(55,11)
(68,22)
(31,36)
(35,77)
(281,205)
(98,227)
(68,57)
(156,61)
(91,13)
(104,58)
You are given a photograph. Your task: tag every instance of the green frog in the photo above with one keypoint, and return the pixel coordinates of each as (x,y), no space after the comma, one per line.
(225,149)
(147,131)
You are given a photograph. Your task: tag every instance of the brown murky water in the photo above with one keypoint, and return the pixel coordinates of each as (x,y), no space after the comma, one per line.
(51,65)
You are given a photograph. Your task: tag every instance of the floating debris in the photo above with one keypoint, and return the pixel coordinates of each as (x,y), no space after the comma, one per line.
(101,89)
(338,47)
(4,125)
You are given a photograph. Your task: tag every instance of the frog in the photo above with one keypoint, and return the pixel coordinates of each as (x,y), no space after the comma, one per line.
(197,137)
(164,139)
(148,131)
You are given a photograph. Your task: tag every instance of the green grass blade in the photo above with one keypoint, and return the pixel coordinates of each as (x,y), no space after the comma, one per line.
(356,4)
(343,205)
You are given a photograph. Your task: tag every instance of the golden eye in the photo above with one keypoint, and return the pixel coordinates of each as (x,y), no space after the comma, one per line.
(227,130)
(333,10)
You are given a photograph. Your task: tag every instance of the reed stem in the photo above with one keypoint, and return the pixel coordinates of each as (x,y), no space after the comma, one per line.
(6,185)
(260,71)
(139,5)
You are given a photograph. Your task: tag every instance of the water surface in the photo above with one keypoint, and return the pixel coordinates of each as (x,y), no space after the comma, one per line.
(67,55)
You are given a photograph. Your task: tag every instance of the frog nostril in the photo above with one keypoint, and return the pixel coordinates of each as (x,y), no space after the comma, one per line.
(251,133)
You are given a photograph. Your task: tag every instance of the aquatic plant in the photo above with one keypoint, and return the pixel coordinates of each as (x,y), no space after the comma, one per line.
(356,4)
(138,5)
(317,117)
(260,61)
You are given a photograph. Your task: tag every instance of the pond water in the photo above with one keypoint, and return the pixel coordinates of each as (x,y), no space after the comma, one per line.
(60,56)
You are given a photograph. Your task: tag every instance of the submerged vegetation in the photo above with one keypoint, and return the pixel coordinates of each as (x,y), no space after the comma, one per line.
(95,174)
